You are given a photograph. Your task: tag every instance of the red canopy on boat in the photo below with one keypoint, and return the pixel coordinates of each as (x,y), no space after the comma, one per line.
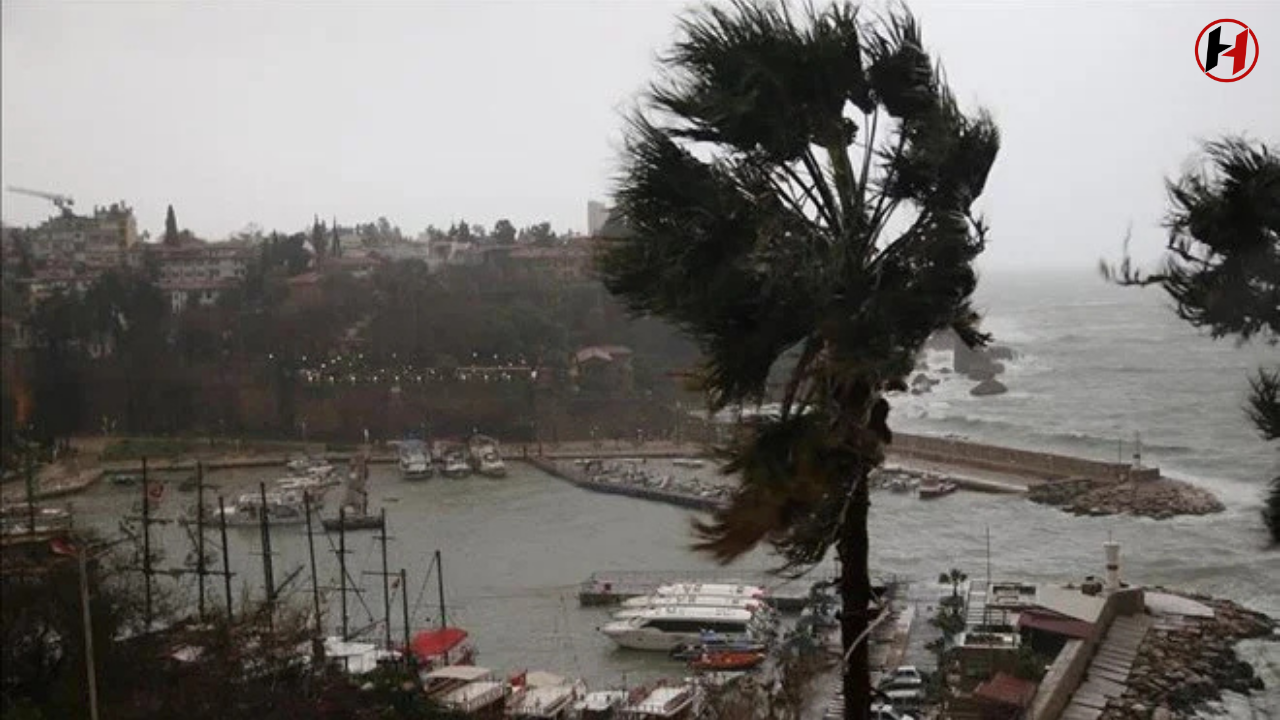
(431,643)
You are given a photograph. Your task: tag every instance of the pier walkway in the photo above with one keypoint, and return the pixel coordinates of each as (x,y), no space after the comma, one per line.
(1108,673)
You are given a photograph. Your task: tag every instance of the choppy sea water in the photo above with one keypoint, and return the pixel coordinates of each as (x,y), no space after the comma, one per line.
(1096,365)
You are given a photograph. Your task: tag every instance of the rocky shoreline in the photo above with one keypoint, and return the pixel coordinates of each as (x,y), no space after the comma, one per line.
(1159,499)
(1180,671)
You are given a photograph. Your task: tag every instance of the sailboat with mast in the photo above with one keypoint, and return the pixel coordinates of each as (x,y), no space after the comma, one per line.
(354,513)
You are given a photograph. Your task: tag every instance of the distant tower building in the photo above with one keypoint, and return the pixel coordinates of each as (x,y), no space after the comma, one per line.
(597,216)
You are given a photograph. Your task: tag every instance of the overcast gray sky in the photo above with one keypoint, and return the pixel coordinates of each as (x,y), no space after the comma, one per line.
(427,112)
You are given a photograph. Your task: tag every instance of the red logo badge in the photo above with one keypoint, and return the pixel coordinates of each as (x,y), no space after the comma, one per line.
(1226,50)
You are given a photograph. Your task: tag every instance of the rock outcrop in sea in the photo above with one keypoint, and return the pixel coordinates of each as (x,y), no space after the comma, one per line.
(1179,671)
(1160,499)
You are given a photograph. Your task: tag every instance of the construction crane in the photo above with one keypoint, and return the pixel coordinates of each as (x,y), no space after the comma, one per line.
(63,202)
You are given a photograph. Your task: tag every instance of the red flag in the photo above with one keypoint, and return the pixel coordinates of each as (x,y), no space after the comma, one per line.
(62,546)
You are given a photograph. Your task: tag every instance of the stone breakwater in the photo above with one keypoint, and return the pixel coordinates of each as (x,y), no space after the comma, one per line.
(628,477)
(1160,499)
(1179,671)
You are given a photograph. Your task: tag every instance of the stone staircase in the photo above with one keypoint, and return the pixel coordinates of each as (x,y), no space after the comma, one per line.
(1108,673)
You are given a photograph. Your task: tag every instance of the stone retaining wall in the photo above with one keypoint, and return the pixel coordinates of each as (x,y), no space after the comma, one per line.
(1011,460)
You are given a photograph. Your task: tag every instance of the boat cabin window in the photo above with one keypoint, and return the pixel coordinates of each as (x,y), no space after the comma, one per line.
(680,625)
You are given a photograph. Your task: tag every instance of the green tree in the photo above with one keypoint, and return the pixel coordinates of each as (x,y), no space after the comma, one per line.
(1223,264)
(821,227)
(170,227)
(504,233)
(540,234)
(954,578)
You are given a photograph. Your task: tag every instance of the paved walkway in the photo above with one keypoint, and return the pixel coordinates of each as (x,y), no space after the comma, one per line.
(1108,674)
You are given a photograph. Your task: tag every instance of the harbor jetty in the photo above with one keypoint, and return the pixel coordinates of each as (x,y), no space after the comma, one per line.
(628,477)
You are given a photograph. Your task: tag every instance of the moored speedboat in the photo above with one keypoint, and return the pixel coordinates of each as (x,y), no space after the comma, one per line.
(415,460)
(727,660)
(485,457)
(931,488)
(691,463)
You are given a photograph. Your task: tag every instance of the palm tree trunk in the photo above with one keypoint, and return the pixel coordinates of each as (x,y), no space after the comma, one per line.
(855,596)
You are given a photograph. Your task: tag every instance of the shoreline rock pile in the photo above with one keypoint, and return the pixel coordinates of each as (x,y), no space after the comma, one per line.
(1179,672)
(1160,499)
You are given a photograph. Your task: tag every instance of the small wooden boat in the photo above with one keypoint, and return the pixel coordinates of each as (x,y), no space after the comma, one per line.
(930,489)
(353,521)
(728,660)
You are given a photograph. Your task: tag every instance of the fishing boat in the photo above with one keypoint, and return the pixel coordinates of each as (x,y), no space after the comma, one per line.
(435,648)
(16,519)
(309,465)
(727,660)
(281,508)
(485,457)
(931,488)
(598,705)
(665,702)
(354,513)
(467,689)
(537,694)
(126,478)
(415,460)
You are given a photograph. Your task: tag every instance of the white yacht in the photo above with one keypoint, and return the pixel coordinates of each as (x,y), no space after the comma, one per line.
(722,589)
(631,606)
(485,457)
(665,628)
(415,463)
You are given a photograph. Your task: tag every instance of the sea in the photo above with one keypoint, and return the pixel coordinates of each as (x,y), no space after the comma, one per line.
(1100,371)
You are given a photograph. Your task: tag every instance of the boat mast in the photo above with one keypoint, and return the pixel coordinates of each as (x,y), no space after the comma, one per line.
(386,587)
(404,610)
(342,566)
(444,620)
(200,560)
(311,555)
(226,560)
(31,490)
(146,544)
(268,577)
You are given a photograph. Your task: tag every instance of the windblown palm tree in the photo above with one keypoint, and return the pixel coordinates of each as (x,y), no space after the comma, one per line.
(797,193)
(1223,265)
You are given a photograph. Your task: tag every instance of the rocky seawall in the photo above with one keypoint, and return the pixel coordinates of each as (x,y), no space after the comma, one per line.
(1180,671)
(1160,499)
